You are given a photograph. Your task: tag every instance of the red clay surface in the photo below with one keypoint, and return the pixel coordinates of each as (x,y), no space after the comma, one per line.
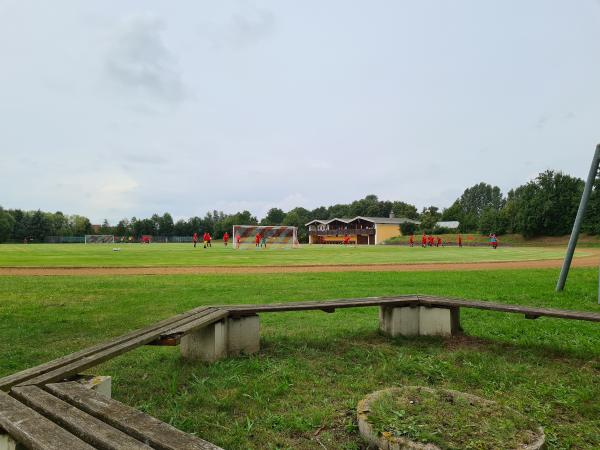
(586,261)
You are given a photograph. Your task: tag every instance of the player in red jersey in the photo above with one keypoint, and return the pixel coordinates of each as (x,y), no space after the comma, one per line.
(439,241)
(195,239)
(411,240)
(346,240)
(237,240)
(459,240)
(205,239)
(257,239)
(423,241)
(226,238)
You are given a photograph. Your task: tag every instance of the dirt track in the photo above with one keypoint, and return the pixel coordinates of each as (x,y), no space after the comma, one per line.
(587,261)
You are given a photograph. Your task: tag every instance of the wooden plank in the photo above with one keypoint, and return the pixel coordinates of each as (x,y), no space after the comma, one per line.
(243,310)
(173,337)
(33,430)
(517,309)
(87,428)
(86,362)
(141,426)
(7,382)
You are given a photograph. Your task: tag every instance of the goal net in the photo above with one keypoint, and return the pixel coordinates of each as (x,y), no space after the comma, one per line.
(280,236)
(99,239)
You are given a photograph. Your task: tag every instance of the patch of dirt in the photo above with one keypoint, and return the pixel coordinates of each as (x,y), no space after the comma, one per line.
(584,261)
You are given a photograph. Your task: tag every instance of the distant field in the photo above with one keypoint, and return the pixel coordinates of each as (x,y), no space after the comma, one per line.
(155,255)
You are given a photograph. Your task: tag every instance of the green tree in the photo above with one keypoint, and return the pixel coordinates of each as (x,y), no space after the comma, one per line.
(402,209)
(546,205)
(429,218)
(274,216)
(39,226)
(80,225)
(7,223)
(166,225)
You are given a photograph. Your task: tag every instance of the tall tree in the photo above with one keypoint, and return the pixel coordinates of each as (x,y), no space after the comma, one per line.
(546,205)
(274,216)
(7,223)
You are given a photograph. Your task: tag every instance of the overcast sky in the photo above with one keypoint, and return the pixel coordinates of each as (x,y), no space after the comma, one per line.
(113,109)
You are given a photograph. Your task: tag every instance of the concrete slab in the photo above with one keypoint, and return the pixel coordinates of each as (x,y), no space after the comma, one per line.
(207,344)
(399,321)
(243,335)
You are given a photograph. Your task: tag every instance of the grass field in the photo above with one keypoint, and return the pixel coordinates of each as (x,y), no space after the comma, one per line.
(301,390)
(131,255)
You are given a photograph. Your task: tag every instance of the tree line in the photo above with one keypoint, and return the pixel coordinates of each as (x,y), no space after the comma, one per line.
(544,206)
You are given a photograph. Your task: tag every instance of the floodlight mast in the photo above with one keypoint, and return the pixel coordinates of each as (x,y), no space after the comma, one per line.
(585,197)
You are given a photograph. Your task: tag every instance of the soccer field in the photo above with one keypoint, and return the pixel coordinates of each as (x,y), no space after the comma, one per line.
(157,255)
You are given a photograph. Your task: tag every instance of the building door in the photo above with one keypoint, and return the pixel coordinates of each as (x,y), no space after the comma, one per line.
(362,239)
(371,239)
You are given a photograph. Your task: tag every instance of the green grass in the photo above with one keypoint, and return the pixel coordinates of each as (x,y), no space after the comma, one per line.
(301,389)
(450,420)
(102,255)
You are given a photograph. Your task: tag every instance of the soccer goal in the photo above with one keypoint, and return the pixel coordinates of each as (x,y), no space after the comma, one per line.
(277,236)
(99,239)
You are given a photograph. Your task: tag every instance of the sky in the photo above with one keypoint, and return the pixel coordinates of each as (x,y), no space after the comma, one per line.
(115,109)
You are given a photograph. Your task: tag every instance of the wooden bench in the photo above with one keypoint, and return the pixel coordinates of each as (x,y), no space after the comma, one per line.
(70,416)
(42,408)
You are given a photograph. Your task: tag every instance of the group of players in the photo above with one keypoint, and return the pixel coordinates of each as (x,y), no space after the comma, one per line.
(260,240)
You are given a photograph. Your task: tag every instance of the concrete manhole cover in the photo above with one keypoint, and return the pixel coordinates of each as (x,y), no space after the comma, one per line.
(421,418)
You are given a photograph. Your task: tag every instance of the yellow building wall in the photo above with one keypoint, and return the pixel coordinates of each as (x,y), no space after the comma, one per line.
(385,231)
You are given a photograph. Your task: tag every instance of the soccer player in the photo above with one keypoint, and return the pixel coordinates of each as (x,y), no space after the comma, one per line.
(459,240)
(209,239)
(257,239)
(439,241)
(237,240)
(423,241)
(263,240)
(411,240)
(494,241)
(430,241)
(195,239)
(346,240)
(205,239)
(226,238)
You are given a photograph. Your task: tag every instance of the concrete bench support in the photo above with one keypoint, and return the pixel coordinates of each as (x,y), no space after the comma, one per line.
(8,443)
(243,335)
(206,344)
(229,337)
(418,321)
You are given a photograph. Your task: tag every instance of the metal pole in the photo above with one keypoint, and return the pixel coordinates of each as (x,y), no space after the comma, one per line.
(578,220)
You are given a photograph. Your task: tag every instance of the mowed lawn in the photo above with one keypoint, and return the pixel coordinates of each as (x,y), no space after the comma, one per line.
(137,255)
(301,390)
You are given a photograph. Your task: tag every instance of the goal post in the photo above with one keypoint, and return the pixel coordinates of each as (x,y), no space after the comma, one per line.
(99,239)
(280,236)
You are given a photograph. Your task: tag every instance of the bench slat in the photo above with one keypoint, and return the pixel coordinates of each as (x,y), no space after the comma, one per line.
(141,426)
(87,428)
(90,361)
(7,382)
(517,309)
(241,310)
(33,430)
(177,333)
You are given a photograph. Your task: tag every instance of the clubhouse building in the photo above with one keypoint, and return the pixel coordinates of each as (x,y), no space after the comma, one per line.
(361,230)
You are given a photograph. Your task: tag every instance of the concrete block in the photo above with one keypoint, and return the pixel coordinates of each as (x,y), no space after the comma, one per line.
(399,321)
(8,443)
(438,321)
(206,344)
(101,384)
(243,335)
